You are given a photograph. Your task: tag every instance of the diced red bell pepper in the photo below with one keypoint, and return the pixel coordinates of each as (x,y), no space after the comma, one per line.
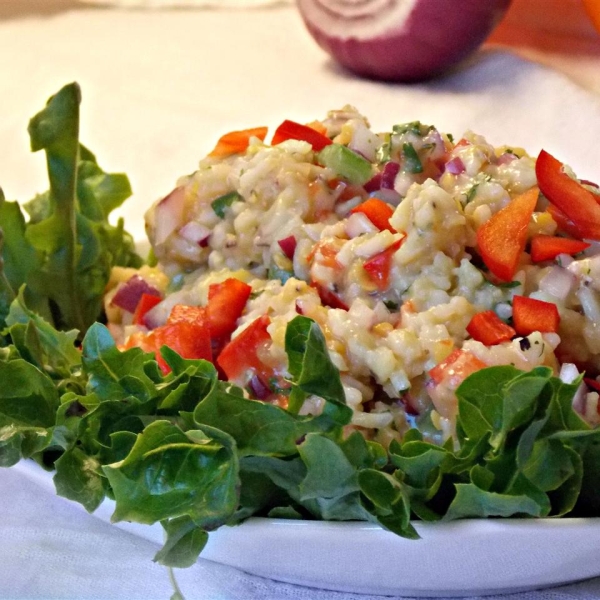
(240,359)
(236,142)
(188,314)
(147,302)
(489,329)
(189,340)
(377,211)
(186,332)
(592,384)
(531,315)
(576,202)
(548,247)
(329,297)
(378,267)
(458,365)
(226,302)
(290,130)
(563,222)
(501,240)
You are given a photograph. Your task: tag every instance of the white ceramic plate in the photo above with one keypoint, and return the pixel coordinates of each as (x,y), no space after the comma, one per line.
(461,558)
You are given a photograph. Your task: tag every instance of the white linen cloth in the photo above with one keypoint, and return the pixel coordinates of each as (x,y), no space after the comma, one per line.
(159,88)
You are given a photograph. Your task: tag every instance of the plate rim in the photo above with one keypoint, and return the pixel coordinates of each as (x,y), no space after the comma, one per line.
(236,547)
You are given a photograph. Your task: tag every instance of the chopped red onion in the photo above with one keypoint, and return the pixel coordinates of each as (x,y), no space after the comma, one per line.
(374,183)
(168,214)
(590,183)
(258,389)
(388,176)
(288,246)
(128,295)
(506,158)
(196,233)
(455,166)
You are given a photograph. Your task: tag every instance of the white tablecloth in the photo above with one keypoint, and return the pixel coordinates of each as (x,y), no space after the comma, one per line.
(159,87)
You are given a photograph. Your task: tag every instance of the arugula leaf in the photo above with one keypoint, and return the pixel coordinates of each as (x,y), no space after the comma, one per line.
(310,365)
(50,350)
(113,374)
(65,252)
(185,541)
(170,473)
(472,501)
(79,478)
(390,504)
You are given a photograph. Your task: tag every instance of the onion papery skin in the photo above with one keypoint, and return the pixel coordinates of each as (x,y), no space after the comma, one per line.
(421,38)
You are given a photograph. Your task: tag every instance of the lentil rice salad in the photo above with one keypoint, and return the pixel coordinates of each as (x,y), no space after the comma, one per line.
(422,258)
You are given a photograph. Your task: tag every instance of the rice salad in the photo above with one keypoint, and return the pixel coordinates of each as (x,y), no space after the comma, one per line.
(422,258)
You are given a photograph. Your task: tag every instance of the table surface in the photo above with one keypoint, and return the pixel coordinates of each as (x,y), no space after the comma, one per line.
(159,87)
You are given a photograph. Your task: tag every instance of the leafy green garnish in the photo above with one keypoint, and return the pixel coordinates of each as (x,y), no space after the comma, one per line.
(64,253)
(412,162)
(222,203)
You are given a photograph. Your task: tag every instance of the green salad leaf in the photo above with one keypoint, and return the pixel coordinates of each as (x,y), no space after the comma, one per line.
(64,252)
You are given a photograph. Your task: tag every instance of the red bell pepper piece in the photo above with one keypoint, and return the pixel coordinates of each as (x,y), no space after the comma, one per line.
(501,239)
(489,329)
(592,384)
(186,332)
(563,222)
(329,297)
(531,315)
(455,368)
(548,247)
(147,302)
(226,302)
(236,142)
(377,211)
(378,267)
(576,202)
(189,340)
(290,130)
(240,359)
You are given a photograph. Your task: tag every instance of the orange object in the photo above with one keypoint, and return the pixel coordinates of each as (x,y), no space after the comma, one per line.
(592,7)
(378,212)
(563,222)
(186,332)
(378,267)
(568,195)
(226,302)
(489,329)
(290,130)
(531,315)
(147,301)
(501,240)
(329,297)
(236,142)
(240,359)
(548,247)
(455,368)
(188,314)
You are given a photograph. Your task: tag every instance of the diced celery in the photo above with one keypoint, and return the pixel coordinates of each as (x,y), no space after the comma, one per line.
(346,163)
